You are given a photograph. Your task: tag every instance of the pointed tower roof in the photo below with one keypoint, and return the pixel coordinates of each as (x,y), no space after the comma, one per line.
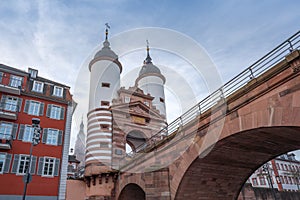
(148,68)
(106,53)
(106,50)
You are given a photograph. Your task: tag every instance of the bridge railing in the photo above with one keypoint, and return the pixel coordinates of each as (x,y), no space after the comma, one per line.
(255,70)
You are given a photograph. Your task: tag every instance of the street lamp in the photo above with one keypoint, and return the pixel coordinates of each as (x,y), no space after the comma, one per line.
(266,169)
(37,130)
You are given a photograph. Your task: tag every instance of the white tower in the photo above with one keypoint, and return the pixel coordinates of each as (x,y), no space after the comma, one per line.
(151,81)
(79,149)
(104,82)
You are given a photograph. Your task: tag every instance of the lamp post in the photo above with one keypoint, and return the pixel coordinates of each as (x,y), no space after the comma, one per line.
(35,141)
(266,169)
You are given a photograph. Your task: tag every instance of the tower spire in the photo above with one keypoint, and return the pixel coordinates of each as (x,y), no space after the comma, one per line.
(148,59)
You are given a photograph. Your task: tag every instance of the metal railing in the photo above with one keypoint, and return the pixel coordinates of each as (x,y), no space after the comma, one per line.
(255,70)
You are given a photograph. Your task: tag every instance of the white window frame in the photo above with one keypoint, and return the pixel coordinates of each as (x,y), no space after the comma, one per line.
(11,103)
(38,86)
(58,91)
(34,108)
(44,165)
(6,129)
(28,133)
(52,139)
(27,160)
(15,81)
(55,112)
(3,162)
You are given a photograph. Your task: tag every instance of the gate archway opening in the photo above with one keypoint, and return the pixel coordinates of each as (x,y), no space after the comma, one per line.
(132,191)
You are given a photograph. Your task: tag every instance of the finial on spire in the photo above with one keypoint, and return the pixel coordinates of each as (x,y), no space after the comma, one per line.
(106,30)
(148,58)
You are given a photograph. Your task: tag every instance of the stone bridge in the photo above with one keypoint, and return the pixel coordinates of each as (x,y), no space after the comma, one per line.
(210,151)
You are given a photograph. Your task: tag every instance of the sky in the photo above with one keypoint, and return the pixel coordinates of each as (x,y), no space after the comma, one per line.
(60,37)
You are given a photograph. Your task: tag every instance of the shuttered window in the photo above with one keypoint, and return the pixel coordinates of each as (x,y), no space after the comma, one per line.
(48,166)
(52,136)
(8,130)
(55,112)
(34,108)
(5,160)
(11,103)
(25,133)
(21,163)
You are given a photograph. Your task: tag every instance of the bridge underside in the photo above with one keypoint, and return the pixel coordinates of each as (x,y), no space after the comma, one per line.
(221,173)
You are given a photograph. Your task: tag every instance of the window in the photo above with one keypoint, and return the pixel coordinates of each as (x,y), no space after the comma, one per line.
(11,103)
(104,145)
(8,130)
(58,91)
(15,81)
(262,180)
(277,165)
(1,76)
(106,85)
(161,100)
(21,163)
(104,103)
(4,162)
(127,99)
(104,126)
(52,136)
(254,181)
(55,112)
(118,152)
(25,133)
(48,166)
(37,86)
(33,72)
(34,108)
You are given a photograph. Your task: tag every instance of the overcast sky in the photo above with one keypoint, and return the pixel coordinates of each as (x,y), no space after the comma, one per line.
(59,37)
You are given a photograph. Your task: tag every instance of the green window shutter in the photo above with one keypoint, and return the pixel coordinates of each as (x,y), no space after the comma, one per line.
(15,164)
(26,107)
(41,109)
(21,132)
(33,165)
(7,163)
(14,130)
(45,88)
(40,166)
(56,167)
(44,137)
(19,104)
(62,113)
(59,139)
(49,107)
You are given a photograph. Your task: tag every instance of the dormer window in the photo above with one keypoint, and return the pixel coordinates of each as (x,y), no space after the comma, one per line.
(33,72)
(37,86)
(127,99)
(58,91)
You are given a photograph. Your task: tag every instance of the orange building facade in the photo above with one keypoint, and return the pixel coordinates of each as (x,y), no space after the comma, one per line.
(25,95)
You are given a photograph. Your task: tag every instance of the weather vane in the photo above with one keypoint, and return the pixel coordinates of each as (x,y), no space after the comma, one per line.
(106,30)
